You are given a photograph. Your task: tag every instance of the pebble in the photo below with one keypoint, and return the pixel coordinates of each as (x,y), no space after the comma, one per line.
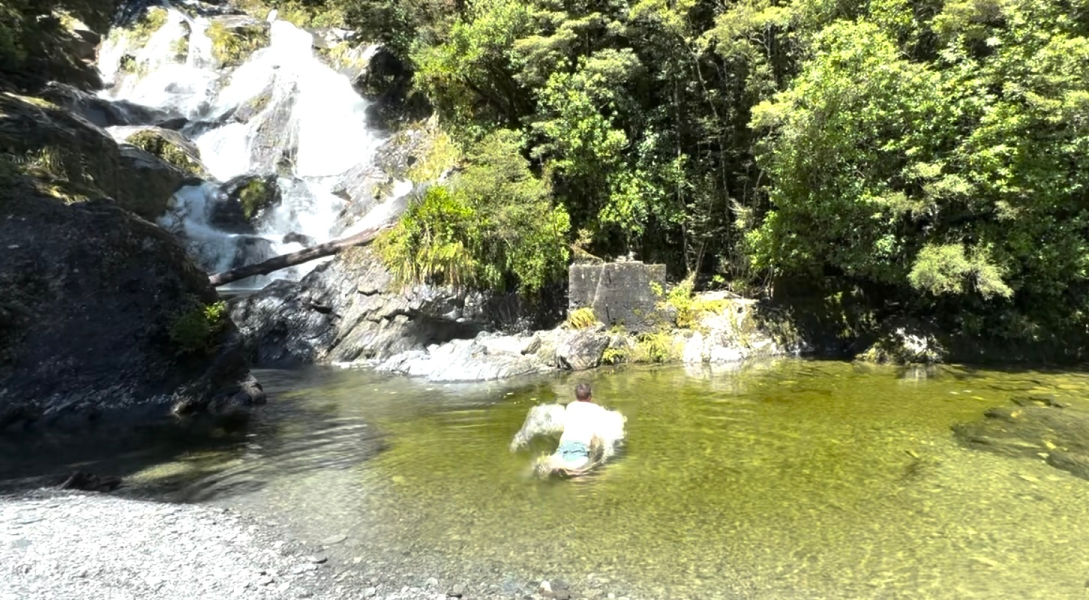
(317,560)
(334,540)
(457,591)
(304,568)
(432,582)
(369,592)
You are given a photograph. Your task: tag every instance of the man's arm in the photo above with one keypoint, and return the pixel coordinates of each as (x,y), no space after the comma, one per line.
(543,419)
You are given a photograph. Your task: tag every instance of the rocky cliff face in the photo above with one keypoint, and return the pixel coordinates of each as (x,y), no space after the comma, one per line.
(91,298)
(103,318)
(350,309)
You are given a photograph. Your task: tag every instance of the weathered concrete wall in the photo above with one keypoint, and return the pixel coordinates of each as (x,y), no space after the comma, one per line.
(619,293)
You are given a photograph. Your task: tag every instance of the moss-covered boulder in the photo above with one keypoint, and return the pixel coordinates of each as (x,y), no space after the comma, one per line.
(168,145)
(92,300)
(236,37)
(242,200)
(71,159)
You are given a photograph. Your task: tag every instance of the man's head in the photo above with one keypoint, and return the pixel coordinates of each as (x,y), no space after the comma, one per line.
(582,392)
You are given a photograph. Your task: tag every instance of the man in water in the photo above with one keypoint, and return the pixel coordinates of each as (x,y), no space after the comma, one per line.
(589,434)
(587,429)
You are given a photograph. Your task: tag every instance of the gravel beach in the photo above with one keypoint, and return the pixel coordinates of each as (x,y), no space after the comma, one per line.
(87,546)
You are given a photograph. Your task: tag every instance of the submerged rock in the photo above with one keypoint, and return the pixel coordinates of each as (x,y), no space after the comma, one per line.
(1037,427)
(104,319)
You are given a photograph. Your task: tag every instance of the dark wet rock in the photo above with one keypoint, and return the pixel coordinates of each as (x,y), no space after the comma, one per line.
(98,321)
(298,238)
(582,350)
(1034,429)
(619,293)
(174,123)
(89,482)
(153,181)
(241,201)
(387,83)
(351,309)
(105,113)
(80,161)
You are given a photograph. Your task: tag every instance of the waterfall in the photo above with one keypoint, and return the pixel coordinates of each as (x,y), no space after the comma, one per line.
(282,113)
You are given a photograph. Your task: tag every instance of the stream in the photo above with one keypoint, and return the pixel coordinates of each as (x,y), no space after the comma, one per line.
(781,479)
(785,479)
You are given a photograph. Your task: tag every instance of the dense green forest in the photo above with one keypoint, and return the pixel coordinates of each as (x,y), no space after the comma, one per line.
(937,151)
(934,153)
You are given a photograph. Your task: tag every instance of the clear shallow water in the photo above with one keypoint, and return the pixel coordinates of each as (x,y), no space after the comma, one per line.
(790,479)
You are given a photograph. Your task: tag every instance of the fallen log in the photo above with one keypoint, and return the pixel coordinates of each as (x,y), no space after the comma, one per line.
(296,258)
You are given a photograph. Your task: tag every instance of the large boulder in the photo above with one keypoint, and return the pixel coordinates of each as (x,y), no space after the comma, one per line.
(167,144)
(582,350)
(105,320)
(351,309)
(151,183)
(80,161)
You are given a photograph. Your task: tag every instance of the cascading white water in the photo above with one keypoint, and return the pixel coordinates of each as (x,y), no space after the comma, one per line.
(282,111)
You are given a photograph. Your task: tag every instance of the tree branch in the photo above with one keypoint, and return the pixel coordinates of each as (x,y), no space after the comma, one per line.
(295,258)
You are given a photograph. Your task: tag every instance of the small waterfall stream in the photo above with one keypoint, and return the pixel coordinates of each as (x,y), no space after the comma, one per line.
(282,114)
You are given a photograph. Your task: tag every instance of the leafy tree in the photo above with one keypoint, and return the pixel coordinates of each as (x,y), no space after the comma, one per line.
(492,227)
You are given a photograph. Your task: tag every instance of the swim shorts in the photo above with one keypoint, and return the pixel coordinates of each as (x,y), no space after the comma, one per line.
(573,452)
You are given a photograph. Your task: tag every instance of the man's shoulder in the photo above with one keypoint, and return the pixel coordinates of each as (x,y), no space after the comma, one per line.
(586,406)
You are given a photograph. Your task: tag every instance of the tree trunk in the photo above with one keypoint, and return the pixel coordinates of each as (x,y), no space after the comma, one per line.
(295,258)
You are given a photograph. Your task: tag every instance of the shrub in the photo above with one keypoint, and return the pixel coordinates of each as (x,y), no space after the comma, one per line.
(581,318)
(689,309)
(194,330)
(654,347)
(492,227)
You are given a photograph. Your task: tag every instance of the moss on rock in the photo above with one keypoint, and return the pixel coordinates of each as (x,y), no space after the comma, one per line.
(255,196)
(232,45)
(154,142)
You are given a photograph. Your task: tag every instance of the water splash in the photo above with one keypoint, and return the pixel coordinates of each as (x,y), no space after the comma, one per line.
(283,111)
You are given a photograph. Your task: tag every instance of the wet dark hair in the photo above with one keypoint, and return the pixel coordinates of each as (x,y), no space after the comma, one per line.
(582,392)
